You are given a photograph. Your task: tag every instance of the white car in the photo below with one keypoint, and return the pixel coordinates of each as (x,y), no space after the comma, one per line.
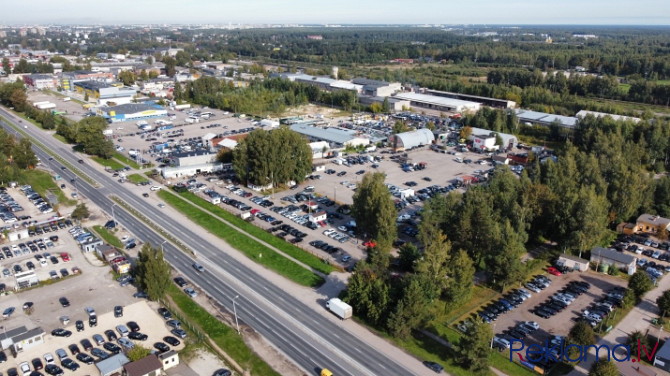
(48,358)
(25,368)
(123,331)
(155,188)
(532,324)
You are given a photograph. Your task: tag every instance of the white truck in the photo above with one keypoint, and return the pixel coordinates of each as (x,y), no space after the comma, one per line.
(340,308)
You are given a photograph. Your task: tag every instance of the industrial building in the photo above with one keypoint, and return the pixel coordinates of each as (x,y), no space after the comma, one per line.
(540,118)
(336,137)
(130,112)
(409,140)
(375,88)
(486,101)
(509,140)
(41,81)
(323,83)
(104,93)
(395,104)
(583,113)
(442,104)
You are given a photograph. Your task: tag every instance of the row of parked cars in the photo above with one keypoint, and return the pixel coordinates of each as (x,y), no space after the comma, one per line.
(562,299)
(8,206)
(603,307)
(36,199)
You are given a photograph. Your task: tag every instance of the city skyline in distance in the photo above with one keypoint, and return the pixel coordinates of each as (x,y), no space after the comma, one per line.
(346,12)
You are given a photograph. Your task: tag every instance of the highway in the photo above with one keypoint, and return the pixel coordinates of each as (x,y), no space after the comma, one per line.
(301,332)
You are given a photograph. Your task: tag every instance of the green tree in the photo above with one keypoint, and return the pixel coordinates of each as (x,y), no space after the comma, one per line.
(635,339)
(408,255)
(127,77)
(582,334)
(152,272)
(21,67)
(138,352)
(386,108)
(170,64)
(399,127)
(80,212)
(19,99)
(640,283)
(374,211)
(434,263)
(473,348)
(89,135)
(6,66)
(48,120)
(663,302)
(375,108)
(23,154)
(461,271)
(86,98)
(466,132)
(411,310)
(178,92)
(603,367)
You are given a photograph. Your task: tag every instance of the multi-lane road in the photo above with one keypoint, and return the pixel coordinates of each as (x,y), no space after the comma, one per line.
(298,330)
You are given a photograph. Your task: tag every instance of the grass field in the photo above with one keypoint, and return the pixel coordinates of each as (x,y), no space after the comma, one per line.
(250,247)
(43,182)
(107,236)
(289,249)
(479,296)
(108,163)
(123,159)
(137,178)
(225,337)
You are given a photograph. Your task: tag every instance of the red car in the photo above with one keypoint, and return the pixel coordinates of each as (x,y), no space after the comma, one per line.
(553,271)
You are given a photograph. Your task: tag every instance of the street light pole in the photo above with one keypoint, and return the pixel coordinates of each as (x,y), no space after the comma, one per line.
(162,250)
(237,325)
(113,216)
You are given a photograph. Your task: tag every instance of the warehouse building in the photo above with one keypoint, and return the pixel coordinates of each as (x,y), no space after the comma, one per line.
(583,113)
(336,137)
(486,101)
(41,81)
(376,88)
(104,93)
(413,139)
(130,112)
(442,104)
(540,118)
(484,139)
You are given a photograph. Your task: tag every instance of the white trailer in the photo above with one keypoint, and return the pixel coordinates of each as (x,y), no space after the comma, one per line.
(340,308)
(182,106)
(46,106)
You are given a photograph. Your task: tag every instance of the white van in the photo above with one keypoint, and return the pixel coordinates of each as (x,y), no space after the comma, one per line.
(459,160)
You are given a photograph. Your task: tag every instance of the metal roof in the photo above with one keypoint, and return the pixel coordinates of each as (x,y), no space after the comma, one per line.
(336,135)
(423,136)
(506,137)
(438,101)
(132,108)
(584,113)
(112,364)
(545,118)
(664,351)
(611,254)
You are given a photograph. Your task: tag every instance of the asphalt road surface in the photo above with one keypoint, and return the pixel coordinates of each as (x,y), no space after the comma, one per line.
(299,331)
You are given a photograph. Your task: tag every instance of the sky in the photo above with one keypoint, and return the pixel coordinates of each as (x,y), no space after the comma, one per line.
(223,12)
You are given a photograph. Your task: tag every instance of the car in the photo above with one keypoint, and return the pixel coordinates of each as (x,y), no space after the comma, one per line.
(8,312)
(171,340)
(138,336)
(48,358)
(25,368)
(111,336)
(346,258)
(118,311)
(175,324)
(435,367)
(161,205)
(132,326)
(27,306)
(165,313)
(179,333)
(37,364)
(79,325)
(126,343)
(111,347)
(93,321)
(123,330)
(181,282)
(98,339)
(155,188)
(61,354)
(53,370)
(60,332)
(140,295)
(85,358)
(74,349)
(86,344)
(190,292)
(64,302)
(198,267)
(161,346)
(100,354)
(554,271)
(69,364)
(225,372)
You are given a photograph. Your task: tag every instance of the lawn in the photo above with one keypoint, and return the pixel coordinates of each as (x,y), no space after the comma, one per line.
(126,160)
(289,249)
(43,182)
(137,178)
(107,236)
(480,295)
(250,247)
(108,163)
(60,138)
(224,337)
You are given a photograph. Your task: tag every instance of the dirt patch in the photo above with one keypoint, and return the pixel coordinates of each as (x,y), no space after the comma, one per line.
(270,354)
(312,109)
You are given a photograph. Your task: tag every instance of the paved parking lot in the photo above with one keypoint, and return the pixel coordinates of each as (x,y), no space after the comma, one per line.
(562,322)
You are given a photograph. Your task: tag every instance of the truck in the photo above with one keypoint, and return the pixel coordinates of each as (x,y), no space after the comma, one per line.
(340,308)
(45,106)
(180,107)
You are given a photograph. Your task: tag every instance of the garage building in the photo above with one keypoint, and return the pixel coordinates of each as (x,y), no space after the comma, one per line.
(612,258)
(662,358)
(573,263)
(131,112)
(409,140)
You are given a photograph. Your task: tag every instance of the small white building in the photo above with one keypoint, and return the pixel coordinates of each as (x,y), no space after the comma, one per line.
(169,359)
(404,193)
(319,149)
(485,142)
(318,216)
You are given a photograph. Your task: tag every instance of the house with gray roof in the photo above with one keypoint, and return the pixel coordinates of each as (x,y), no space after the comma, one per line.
(603,256)
(651,223)
(112,365)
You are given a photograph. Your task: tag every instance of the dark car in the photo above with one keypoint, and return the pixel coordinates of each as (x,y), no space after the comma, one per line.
(79,325)
(165,313)
(111,347)
(93,321)
(171,340)
(85,358)
(86,344)
(74,349)
(70,364)
(181,282)
(222,372)
(100,354)
(111,336)
(132,325)
(60,332)
(37,364)
(64,302)
(138,336)
(436,367)
(118,311)
(53,370)
(162,347)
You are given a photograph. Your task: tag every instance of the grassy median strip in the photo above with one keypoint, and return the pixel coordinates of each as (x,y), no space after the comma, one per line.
(250,247)
(107,236)
(289,249)
(113,164)
(224,336)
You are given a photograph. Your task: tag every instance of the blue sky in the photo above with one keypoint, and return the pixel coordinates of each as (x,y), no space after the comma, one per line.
(596,12)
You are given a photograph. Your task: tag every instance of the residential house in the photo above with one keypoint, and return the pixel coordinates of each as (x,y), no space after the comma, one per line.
(147,366)
(652,223)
